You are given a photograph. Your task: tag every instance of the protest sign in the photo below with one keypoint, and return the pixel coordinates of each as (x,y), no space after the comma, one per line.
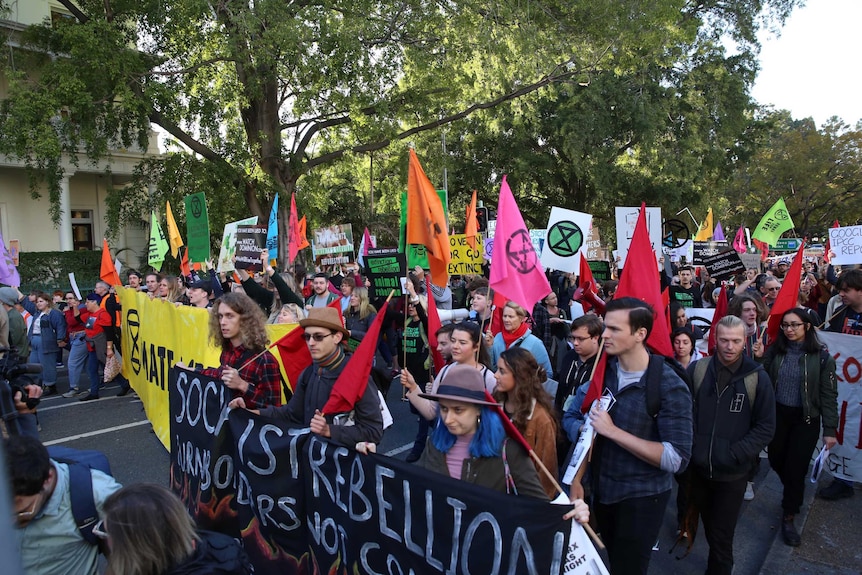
(681,252)
(750,261)
(465,259)
(303,504)
(537,238)
(333,245)
(384,267)
(846,242)
(228,243)
(250,242)
(601,270)
(845,459)
(626,218)
(703,250)
(594,245)
(566,238)
(724,265)
(488,246)
(197,227)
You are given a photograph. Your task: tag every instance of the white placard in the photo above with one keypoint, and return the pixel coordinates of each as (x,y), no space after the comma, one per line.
(74,283)
(846,243)
(626,218)
(228,243)
(565,239)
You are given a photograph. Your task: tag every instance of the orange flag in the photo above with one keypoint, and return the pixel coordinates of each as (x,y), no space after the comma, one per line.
(303,240)
(426,222)
(471,228)
(108,272)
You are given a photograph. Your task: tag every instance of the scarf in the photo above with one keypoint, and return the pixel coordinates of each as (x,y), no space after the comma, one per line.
(511,337)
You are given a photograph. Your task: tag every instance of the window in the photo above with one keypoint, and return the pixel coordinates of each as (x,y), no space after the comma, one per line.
(82,229)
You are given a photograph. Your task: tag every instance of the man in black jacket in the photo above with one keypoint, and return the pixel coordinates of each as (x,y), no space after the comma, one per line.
(734,419)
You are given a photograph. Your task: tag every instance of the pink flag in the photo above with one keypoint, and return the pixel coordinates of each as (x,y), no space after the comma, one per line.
(8,272)
(718,234)
(739,241)
(516,272)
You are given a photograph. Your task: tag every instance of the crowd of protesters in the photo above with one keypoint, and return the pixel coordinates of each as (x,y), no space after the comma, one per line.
(669,419)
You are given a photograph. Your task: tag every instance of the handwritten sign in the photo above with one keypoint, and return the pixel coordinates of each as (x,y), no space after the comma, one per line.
(465,259)
(846,242)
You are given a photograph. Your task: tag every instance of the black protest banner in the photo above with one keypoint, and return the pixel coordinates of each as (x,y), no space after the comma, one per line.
(250,242)
(384,267)
(304,505)
(724,265)
(703,250)
(601,270)
(202,469)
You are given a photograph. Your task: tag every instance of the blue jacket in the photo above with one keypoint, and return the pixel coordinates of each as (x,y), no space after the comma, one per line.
(53,326)
(527,341)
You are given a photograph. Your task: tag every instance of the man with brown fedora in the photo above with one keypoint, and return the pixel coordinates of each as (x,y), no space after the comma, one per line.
(324,334)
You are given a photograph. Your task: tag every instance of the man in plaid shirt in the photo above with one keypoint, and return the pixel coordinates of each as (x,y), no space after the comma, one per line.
(238,326)
(636,455)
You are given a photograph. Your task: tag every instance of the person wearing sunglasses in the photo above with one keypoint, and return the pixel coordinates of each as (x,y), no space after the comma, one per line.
(806,396)
(49,540)
(149,530)
(770,290)
(251,372)
(324,335)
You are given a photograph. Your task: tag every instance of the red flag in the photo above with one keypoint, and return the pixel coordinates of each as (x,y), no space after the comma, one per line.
(587,293)
(433,325)
(788,296)
(292,231)
(763,247)
(498,301)
(426,221)
(351,384)
(294,355)
(835,224)
(184,262)
(640,280)
(720,312)
(665,300)
(108,272)
(471,228)
(336,305)
(516,272)
(597,382)
(508,425)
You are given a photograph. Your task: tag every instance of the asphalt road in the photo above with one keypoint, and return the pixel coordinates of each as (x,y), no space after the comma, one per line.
(118,427)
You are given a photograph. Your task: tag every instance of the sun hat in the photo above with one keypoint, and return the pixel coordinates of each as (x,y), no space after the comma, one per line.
(461,382)
(325,317)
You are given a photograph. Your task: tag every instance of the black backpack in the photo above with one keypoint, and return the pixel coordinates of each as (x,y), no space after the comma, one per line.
(653,380)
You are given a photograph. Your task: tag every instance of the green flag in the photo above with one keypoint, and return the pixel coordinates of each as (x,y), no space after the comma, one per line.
(158,246)
(197,227)
(774,223)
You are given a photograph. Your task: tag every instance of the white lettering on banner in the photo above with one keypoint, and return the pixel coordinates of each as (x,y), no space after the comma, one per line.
(845,459)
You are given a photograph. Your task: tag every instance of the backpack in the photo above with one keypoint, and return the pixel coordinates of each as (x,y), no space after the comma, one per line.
(700,368)
(80,462)
(653,380)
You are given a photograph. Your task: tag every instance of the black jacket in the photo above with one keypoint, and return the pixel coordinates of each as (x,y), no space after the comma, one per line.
(729,432)
(215,554)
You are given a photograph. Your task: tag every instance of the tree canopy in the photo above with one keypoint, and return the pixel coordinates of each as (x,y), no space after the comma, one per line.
(612,98)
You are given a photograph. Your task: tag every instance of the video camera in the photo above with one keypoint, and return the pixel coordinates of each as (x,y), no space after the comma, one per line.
(15,377)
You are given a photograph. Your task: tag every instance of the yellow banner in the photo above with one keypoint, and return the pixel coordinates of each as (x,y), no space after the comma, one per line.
(158,334)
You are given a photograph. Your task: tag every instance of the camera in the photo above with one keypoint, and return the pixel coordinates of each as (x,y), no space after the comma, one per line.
(14,377)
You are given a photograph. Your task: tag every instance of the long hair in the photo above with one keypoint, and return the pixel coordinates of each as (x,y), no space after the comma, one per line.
(487,442)
(811,343)
(252,326)
(365,307)
(175,289)
(475,333)
(150,530)
(529,377)
(294,309)
(735,306)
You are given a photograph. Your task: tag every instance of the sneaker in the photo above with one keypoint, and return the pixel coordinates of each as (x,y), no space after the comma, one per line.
(836,490)
(123,391)
(72,392)
(89,397)
(749,491)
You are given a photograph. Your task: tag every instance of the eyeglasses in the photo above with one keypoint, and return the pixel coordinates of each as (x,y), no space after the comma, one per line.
(318,337)
(794,325)
(32,511)
(773,288)
(578,339)
(99,530)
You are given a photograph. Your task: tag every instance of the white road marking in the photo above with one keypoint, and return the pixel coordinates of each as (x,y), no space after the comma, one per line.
(96,432)
(397,450)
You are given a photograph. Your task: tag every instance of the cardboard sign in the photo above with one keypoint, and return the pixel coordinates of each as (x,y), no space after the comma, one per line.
(384,267)
(846,242)
(626,218)
(466,260)
(724,265)
(333,245)
(250,242)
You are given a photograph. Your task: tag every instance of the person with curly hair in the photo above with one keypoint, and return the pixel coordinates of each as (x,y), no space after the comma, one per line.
(528,405)
(753,313)
(237,326)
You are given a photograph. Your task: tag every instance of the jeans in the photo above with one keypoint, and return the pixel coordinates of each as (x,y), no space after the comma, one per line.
(630,529)
(93,373)
(77,362)
(48,360)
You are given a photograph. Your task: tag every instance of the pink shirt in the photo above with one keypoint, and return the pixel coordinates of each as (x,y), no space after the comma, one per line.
(457,454)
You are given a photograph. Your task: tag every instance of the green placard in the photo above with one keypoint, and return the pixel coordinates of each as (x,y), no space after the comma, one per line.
(197,227)
(416,255)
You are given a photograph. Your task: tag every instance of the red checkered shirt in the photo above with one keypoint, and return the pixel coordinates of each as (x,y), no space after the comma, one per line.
(262,375)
